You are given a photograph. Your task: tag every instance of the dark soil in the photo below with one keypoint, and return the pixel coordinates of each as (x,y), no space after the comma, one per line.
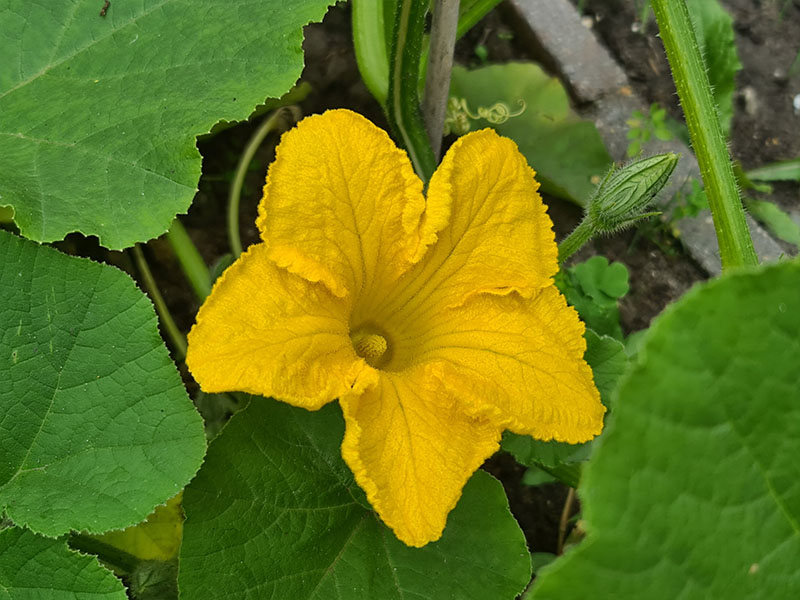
(659,273)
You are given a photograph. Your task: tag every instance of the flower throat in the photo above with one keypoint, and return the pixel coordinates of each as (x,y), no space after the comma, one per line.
(372,346)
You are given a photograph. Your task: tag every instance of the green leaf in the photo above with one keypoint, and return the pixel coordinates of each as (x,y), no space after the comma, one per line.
(33,567)
(601,280)
(779,223)
(693,490)
(541,559)
(534,476)
(96,428)
(713,27)
(154,580)
(788,170)
(100,114)
(275,513)
(566,152)
(593,287)
(608,360)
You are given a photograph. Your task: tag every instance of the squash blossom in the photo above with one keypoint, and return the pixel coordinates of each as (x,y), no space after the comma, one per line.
(433,318)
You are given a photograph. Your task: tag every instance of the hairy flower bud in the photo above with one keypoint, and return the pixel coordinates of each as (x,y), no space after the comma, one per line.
(620,200)
(625,193)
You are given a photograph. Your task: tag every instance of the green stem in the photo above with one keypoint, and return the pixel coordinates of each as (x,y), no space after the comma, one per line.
(193,265)
(402,107)
(369,42)
(235,193)
(694,91)
(575,240)
(471,12)
(176,337)
(119,560)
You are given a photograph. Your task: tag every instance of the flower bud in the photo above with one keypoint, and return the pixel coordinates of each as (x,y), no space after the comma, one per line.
(625,193)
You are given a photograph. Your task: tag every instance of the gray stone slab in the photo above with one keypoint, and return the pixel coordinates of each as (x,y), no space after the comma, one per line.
(602,93)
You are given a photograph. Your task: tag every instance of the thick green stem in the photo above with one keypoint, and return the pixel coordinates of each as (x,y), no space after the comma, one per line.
(170,328)
(191,262)
(235,193)
(402,108)
(694,91)
(369,42)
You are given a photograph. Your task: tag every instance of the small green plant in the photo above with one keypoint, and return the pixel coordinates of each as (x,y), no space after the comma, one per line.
(689,202)
(481,53)
(644,13)
(594,287)
(643,126)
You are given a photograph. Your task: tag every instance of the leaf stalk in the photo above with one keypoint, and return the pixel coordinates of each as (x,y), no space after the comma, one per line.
(192,264)
(171,329)
(273,122)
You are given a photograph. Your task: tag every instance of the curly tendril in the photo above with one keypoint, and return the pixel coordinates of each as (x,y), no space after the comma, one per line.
(457,119)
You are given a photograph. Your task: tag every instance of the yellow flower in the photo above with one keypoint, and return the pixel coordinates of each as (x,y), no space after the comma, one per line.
(433,318)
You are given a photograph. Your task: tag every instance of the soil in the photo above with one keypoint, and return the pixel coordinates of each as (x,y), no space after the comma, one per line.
(764,129)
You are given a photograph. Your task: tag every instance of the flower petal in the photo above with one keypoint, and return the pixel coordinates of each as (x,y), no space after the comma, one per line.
(519,362)
(266,331)
(499,237)
(412,450)
(343,206)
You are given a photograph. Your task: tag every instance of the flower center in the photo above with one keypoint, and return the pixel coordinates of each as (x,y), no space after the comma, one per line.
(371,346)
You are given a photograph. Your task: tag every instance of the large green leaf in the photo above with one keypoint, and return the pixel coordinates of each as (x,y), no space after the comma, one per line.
(275,513)
(100,114)
(37,568)
(567,152)
(694,491)
(95,426)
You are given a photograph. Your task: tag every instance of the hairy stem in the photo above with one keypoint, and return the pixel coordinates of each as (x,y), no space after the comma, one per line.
(575,240)
(694,91)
